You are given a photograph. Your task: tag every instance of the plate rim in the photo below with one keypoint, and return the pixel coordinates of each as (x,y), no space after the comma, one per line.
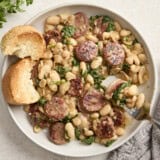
(153,100)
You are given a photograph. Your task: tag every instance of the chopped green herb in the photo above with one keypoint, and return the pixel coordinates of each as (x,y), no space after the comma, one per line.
(135,41)
(117,91)
(77,133)
(42,101)
(92,19)
(68,31)
(75,62)
(106,19)
(109,143)
(126,67)
(62,71)
(89,140)
(66,119)
(111,27)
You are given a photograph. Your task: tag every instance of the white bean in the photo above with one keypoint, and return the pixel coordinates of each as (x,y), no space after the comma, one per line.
(95,115)
(96,62)
(120,131)
(105,110)
(92,38)
(69,76)
(134,68)
(72,41)
(106,35)
(53,87)
(125,32)
(83,67)
(55,77)
(75,69)
(88,132)
(49,27)
(118,27)
(70,130)
(132,90)
(140,100)
(90,79)
(142,57)
(115,36)
(64,87)
(141,75)
(76,121)
(53,20)
(58,58)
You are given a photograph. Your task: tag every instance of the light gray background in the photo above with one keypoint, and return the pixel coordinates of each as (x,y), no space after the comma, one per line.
(143,14)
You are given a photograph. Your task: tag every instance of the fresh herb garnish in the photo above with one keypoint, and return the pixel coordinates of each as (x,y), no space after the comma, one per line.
(126,67)
(42,101)
(98,78)
(111,27)
(135,41)
(62,71)
(89,140)
(67,32)
(109,143)
(8,6)
(118,91)
(92,19)
(106,19)
(77,133)
(66,119)
(75,62)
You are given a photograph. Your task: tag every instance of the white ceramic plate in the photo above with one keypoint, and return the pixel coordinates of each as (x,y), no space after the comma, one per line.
(75,149)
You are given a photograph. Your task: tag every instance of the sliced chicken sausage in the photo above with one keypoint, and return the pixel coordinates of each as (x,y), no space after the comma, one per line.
(92,101)
(86,51)
(57,133)
(56,109)
(113,54)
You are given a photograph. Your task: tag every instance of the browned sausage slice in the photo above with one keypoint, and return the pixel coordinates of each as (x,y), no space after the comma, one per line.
(113,54)
(56,108)
(86,51)
(57,133)
(112,87)
(92,101)
(81,24)
(118,117)
(55,34)
(105,128)
(75,87)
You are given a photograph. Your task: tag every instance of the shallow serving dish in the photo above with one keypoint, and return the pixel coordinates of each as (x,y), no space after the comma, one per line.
(75,149)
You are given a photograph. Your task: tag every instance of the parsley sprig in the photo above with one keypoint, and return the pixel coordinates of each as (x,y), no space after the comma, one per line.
(9,6)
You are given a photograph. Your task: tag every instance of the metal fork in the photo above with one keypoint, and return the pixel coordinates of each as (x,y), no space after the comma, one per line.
(138,114)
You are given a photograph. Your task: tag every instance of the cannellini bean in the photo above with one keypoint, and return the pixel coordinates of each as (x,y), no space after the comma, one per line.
(92,38)
(73,112)
(142,57)
(53,87)
(64,17)
(95,115)
(64,87)
(76,121)
(42,83)
(88,132)
(83,67)
(53,20)
(54,75)
(69,76)
(136,60)
(52,42)
(36,129)
(96,62)
(105,110)
(129,60)
(134,78)
(75,69)
(125,32)
(59,27)
(66,54)
(106,35)
(90,79)
(81,39)
(134,68)
(138,47)
(100,45)
(120,131)
(114,36)
(70,130)
(72,41)
(141,75)
(87,86)
(127,50)
(117,26)
(140,100)
(84,121)
(49,27)
(132,90)
(58,59)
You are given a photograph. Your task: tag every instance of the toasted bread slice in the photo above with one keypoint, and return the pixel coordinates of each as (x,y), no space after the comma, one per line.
(23,41)
(17,84)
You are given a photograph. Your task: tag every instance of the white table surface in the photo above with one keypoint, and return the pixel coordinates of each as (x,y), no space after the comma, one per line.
(143,14)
